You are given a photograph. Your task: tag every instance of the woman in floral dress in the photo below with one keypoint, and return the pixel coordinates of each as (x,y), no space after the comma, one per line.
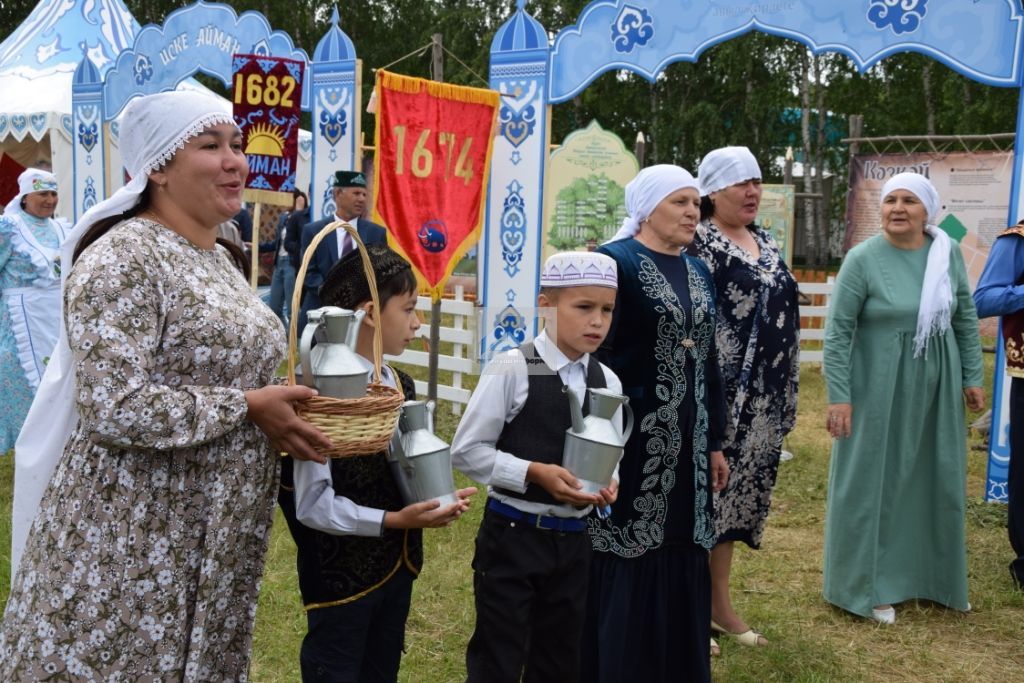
(145,558)
(759,355)
(30,283)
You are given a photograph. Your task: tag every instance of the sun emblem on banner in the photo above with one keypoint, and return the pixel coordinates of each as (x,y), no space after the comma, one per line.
(266,139)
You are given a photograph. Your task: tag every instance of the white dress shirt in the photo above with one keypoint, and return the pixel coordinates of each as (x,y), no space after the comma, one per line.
(316,504)
(497,399)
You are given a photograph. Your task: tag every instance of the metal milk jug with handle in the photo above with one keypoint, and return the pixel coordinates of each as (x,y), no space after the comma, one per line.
(593,445)
(420,461)
(332,367)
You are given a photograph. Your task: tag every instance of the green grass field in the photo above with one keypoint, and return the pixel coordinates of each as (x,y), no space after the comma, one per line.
(777,590)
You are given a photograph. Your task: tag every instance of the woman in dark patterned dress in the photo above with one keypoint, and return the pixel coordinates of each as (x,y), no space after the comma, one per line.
(759,357)
(145,558)
(649,609)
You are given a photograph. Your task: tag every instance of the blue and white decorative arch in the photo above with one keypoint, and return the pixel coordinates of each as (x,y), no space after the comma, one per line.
(202,38)
(981,39)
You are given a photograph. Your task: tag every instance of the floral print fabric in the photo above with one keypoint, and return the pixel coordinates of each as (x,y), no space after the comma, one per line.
(758,343)
(145,559)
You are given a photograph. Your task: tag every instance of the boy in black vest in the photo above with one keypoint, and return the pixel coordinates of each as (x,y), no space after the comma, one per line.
(532,550)
(359,545)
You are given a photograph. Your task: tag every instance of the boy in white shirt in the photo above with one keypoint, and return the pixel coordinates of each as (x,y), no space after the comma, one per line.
(532,550)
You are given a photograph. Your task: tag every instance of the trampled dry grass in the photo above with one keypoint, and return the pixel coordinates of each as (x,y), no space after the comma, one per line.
(778,589)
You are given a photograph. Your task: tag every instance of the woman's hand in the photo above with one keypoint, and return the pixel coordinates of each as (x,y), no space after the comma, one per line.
(429,514)
(839,422)
(975,397)
(719,471)
(271,409)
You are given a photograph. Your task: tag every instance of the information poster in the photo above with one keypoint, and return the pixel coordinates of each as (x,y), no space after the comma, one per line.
(777,215)
(974,190)
(585,196)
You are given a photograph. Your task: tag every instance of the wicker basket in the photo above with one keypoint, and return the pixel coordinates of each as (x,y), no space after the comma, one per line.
(356,426)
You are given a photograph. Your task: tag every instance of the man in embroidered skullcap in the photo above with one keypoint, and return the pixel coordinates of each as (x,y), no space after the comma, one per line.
(532,550)
(1000,292)
(649,604)
(30,309)
(350,201)
(148,545)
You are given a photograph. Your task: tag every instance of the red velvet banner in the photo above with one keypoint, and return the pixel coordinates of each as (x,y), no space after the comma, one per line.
(433,158)
(267,95)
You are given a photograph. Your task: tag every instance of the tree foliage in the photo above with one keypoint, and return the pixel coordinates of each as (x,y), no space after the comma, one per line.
(747,91)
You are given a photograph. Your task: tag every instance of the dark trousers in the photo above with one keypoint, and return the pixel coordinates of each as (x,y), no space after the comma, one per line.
(1015,484)
(360,641)
(530,587)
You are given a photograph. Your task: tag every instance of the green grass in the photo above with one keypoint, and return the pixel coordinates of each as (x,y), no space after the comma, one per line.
(777,589)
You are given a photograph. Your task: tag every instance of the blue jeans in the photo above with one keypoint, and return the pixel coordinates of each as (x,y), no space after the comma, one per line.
(281,286)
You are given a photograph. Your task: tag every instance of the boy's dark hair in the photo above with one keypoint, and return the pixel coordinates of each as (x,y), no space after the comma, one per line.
(346,285)
(551,293)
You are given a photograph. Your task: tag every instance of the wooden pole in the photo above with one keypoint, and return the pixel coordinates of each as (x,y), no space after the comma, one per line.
(255,246)
(437,74)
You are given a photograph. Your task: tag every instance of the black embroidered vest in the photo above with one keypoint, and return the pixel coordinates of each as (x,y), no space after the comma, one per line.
(537,433)
(335,569)
(1013,324)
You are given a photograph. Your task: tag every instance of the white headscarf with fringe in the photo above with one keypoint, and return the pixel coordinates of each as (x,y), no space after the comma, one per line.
(153,129)
(933,312)
(645,192)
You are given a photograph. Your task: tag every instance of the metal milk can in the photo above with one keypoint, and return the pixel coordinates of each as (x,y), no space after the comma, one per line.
(332,367)
(420,461)
(593,445)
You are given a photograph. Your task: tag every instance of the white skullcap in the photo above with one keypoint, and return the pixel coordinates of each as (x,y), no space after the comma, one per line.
(726,166)
(645,192)
(579,269)
(920,186)
(31,180)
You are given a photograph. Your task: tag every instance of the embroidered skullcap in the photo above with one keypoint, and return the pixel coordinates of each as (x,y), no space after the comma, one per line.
(31,180)
(726,166)
(346,285)
(934,310)
(920,186)
(349,179)
(645,192)
(579,269)
(153,128)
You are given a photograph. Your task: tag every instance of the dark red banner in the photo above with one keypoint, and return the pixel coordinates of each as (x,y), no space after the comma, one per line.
(267,96)
(433,158)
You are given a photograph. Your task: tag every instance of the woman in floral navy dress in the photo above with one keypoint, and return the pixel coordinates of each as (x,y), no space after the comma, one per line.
(757,338)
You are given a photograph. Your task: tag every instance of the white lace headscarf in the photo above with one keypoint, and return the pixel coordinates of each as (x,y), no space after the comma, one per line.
(153,129)
(645,192)
(31,180)
(726,166)
(933,312)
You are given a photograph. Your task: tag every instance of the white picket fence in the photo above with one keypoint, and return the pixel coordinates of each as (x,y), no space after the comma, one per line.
(462,336)
(459,362)
(815,332)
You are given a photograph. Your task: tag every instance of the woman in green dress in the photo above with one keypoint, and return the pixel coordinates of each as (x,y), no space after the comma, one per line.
(902,353)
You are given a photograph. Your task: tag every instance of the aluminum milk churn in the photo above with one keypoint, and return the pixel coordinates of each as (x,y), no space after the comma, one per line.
(420,461)
(332,367)
(593,445)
